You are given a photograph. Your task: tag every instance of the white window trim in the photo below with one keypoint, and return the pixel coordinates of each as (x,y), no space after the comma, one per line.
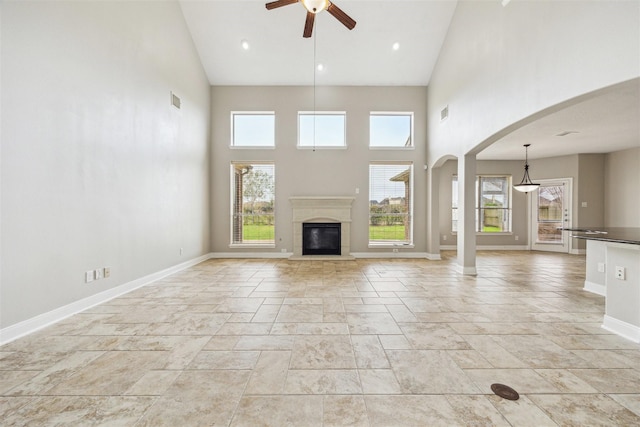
(393,113)
(510,208)
(396,243)
(323,147)
(251,147)
(251,244)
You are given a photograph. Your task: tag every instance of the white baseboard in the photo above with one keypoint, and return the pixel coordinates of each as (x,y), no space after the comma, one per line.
(595,288)
(34,324)
(624,329)
(434,257)
(489,247)
(578,252)
(249,255)
(288,255)
(390,255)
(467,271)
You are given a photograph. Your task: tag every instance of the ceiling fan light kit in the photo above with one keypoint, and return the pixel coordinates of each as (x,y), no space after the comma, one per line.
(314,7)
(526,184)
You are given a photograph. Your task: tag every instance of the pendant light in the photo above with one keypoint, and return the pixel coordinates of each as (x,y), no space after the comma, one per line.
(526,185)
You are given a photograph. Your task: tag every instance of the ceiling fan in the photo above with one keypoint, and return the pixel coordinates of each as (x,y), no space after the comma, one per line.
(314,7)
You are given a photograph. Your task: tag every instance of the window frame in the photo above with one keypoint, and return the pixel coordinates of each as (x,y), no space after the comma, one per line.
(232,144)
(478,209)
(406,243)
(394,113)
(232,207)
(315,146)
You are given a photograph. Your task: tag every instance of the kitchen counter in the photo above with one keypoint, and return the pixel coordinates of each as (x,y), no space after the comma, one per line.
(613,271)
(628,235)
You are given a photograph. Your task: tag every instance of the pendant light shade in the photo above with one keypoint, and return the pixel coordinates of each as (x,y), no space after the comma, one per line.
(526,185)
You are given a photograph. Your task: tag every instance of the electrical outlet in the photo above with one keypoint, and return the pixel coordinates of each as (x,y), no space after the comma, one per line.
(601,267)
(181,251)
(444,237)
(98,274)
(106,272)
(89,276)
(395,251)
(620,273)
(517,238)
(283,250)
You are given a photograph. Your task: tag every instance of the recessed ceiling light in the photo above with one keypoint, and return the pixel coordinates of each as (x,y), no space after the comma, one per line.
(320,67)
(244,44)
(567,132)
(396,46)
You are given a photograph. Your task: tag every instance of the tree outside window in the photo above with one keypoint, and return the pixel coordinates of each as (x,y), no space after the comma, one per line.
(253,192)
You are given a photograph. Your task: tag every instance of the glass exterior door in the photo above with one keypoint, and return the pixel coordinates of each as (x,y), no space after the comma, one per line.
(551,211)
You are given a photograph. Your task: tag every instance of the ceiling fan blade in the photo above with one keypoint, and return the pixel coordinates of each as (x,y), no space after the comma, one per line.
(279,3)
(341,16)
(308,25)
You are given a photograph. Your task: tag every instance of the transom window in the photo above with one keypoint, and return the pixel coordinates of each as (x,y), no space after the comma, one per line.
(253,195)
(253,129)
(390,130)
(391,203)
(321,129)
(492,207)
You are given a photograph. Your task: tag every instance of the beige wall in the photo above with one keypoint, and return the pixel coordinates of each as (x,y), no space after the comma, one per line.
(98,169)
(590,191)
(501,66)
(587,174)
(622,188)
(324,172)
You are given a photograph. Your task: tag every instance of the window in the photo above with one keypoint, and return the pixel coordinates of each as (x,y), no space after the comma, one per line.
(253,193)
(391,130)
(253,129)
(492,207)
(390,203)
(321,130)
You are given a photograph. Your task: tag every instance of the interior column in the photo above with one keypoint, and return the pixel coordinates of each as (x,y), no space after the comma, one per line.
(466,214)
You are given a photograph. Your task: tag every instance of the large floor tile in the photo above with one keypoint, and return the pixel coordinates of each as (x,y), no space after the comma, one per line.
(368,342)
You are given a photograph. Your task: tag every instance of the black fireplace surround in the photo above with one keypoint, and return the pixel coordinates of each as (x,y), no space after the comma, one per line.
(321,238)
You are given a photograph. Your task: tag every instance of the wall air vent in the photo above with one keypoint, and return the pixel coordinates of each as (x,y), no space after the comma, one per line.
(175,101)
(444,113)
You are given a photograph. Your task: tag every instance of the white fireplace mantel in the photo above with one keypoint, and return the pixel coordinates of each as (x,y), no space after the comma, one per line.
(322,209)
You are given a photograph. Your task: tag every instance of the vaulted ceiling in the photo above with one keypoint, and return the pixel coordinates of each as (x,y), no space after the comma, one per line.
(275,53)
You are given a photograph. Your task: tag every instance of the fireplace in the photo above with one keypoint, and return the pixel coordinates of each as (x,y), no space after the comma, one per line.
(321,238)
(330,217)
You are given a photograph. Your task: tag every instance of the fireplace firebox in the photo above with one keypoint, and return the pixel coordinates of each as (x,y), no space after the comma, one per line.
(321,238)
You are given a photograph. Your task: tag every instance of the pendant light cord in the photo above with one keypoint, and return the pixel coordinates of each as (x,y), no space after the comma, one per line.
(315,34)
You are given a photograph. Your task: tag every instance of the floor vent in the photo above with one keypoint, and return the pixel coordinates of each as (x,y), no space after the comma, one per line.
(505,391)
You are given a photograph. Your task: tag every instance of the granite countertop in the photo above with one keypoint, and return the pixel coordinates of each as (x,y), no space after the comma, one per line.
(629,235)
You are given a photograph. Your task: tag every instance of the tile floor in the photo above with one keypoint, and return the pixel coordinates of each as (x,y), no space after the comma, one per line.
(347,343)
